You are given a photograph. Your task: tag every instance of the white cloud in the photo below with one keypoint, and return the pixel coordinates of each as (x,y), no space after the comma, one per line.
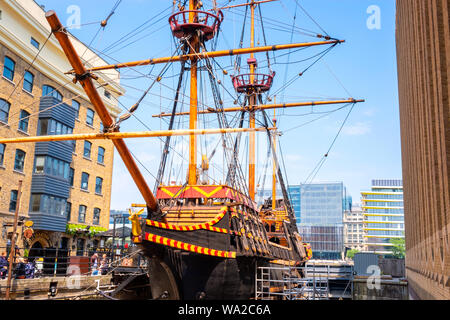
(358,129)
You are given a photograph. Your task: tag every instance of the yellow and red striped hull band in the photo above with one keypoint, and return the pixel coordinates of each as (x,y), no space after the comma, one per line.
(189,247)
(205,226)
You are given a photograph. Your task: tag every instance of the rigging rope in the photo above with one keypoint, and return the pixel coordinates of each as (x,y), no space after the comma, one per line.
(319,165)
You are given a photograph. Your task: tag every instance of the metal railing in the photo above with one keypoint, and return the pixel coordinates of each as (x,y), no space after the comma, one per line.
(51,262)
(312,282)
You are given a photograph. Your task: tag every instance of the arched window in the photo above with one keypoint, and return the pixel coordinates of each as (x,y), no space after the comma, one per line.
(84,180)
(8,70)
(96,216)
(4,110)
(101,155)
(24,119)
(90,117)
(76,106)
(28,81)
(87,149)
(98,185)
(49,91)
(19,160)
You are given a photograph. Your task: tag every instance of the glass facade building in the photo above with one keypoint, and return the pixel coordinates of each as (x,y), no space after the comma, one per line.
(319,210)
(321,213)
(383,215)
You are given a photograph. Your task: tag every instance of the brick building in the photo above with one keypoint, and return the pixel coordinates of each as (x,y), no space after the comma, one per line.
(423,53)
(353,228)
(66,185)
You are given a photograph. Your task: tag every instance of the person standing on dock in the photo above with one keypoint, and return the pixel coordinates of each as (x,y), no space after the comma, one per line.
(104,265)
(94,264)
(3,266)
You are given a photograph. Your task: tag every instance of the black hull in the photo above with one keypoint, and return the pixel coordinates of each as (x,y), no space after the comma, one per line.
(203,277)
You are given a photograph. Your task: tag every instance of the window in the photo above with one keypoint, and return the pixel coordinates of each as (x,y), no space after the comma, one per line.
(107,94)
(90,117)
(82,214)
(35,203)
(43,127)
(52,166)
(71,175)
(13,201)
(102,127)
(50,126)
(87,149)
(28,81)
(76,106)
(4,110)
(68,210)
(2,153)
(24,119)
(48,204)
(34,43)
(49,91)
(96,217)
(40,164)
(19,161)
(8,70)
(101,155)
(98,185)
(84,181)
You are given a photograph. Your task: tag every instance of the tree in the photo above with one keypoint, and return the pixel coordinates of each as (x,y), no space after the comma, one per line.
(351,253)
(398,248)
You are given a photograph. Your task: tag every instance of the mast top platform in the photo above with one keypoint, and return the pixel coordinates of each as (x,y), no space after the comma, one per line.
(206,22)
(253,82)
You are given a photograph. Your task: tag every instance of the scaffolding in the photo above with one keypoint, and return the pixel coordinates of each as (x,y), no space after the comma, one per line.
(315,281)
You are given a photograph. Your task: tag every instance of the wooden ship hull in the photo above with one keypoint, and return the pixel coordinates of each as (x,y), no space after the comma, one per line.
(211,250)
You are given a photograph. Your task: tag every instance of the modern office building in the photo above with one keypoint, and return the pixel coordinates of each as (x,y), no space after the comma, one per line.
(66,185)
(321,218)
(353,228)
(319,209)
(423,56)
(383,215)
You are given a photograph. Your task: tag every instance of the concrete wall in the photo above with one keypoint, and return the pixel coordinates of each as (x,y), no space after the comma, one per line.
(388,290)
(66,287)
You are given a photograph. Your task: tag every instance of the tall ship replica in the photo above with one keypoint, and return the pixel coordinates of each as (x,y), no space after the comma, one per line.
(204,237)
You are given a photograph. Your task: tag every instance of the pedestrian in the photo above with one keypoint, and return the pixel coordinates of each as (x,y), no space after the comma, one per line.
(30,268)
(104,265)
(20,270)
(94,264)
(3,266)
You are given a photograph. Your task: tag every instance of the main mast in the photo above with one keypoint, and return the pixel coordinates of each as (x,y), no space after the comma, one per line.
(252,101)
(194,49)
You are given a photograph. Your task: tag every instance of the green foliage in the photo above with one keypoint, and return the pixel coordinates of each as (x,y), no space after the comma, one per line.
(351,253)
(398,249)
(73,229)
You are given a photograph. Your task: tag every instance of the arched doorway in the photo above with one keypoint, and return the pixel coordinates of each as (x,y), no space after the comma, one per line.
(36,251)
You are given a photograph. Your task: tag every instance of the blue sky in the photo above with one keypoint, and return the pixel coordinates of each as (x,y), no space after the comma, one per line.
(364,67)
